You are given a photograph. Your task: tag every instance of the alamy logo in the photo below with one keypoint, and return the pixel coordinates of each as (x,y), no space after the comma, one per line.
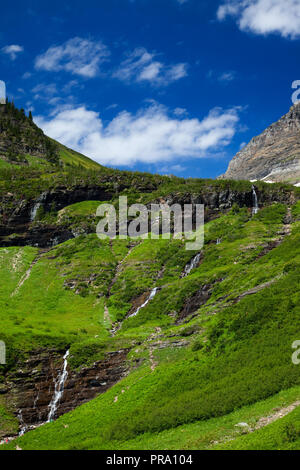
(296,94)
(2,92)
(160,221)
(2,353)
(296,355)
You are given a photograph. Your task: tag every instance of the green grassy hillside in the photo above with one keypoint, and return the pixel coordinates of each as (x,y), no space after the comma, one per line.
(71,158)
(194,373)
(23,144)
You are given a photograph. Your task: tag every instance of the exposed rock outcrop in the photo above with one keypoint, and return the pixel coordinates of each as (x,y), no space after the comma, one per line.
(272,156)
(196,301)
(30,386)
(17,227)
(16,222)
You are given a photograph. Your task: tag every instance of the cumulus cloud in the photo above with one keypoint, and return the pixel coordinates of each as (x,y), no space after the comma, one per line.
(152,135)
(12,51)
(264,16)
(142,66)
(78,56)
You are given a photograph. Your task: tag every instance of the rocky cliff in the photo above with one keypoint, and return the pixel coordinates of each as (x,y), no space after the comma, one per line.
(19,224)
(272,156)
(30,387)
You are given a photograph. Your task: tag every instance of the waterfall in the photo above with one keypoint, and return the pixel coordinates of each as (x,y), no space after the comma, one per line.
(59,388)
(36,400)
(37,205)
(151,296)
(255,207)
(34,211)
(23,426)
(192,264)
(219,241)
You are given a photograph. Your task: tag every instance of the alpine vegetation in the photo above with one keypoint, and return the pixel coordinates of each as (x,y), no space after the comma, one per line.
(148,301)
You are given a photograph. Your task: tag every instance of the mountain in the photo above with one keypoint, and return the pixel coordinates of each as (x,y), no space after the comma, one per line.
(24,144)
(272,156)
(139,343)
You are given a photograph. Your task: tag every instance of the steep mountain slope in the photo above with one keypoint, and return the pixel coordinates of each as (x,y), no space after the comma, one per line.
(163,347)
(182,348)
(23,143)
(272,156)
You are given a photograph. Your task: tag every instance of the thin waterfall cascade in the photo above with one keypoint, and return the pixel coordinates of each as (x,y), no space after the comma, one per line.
(219,240)
(151,296)
(59,388)
(36,206)
(255,207)
(23,426)
(192,264)
(36,400)
(34,211)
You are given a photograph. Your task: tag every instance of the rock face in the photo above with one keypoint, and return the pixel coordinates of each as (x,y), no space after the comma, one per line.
(272,156)
(194,303)
(17,228)
(30,387)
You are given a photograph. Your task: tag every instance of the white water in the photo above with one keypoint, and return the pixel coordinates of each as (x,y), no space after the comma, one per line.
(36,206)
(192,264)
(36,400)
(219,241)
(255,202)
(151,296)
(59,388)
(23,426)
(34,211)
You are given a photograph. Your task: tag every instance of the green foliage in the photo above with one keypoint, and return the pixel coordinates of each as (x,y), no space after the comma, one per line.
(86,352)
(235,348)
(283,434)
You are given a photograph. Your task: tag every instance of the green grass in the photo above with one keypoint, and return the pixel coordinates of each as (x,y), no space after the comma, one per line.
(73,158)
(238,354)
(283,434)
(204,435)
(8,422)
(58,302)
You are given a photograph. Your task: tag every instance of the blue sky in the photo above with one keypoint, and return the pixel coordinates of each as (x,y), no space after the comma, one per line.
(168,86)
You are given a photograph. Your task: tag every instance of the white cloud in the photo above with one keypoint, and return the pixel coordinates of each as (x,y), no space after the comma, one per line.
(26,75)
(12,51)
(112,106)
(44,91)
(224,77)
(264,16)
(227,77)
(180,112)
(77,56)
(151,135)
(167,170)
(142,66)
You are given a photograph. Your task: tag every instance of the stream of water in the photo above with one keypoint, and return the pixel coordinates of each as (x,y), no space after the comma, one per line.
(59,389)
(192,264)
(151,296)
(255,207)
(23,426)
